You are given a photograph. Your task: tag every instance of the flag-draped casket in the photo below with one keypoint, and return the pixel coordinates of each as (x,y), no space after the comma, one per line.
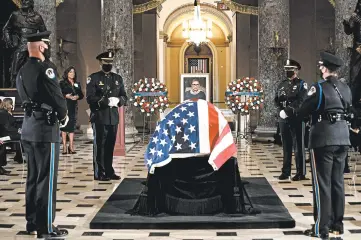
(193,128)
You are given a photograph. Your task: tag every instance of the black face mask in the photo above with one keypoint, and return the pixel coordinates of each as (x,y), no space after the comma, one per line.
(289,74)
(107,67)
(47,52)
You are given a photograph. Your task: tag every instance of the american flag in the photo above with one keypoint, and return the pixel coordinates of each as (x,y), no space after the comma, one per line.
(195,127)
(198,65)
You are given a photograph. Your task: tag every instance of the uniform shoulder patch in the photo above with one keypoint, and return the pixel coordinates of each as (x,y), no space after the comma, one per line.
(305,85)
(88,80)
(50,73)
(312,91)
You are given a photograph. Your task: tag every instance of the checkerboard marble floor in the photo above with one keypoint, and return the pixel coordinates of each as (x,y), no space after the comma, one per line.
(80,198)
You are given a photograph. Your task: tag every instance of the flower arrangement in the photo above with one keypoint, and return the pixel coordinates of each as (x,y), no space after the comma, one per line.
(150,96)
(243,95)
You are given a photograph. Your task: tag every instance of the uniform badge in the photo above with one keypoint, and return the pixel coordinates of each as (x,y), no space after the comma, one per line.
(312,91)
(50,73)
(116,83)
(295,87)
(76,85)
(101,83)
(88,80)
(305,85)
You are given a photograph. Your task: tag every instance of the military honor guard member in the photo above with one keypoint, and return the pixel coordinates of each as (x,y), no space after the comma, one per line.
(290,94)
(105,93)
(328,103)
(45,109)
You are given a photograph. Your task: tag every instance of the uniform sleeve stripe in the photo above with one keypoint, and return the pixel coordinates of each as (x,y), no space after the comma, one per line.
(319,97)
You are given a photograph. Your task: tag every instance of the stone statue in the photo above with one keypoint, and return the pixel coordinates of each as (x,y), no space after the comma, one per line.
(21,23)
(353,26)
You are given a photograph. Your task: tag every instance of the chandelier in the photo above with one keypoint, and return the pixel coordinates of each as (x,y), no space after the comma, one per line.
(196,30)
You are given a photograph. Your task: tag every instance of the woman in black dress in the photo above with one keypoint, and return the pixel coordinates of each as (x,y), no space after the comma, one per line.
(71,90)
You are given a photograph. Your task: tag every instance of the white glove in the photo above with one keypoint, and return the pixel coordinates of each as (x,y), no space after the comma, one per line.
(283,114)
(113,102)
(4,139)
(65,122)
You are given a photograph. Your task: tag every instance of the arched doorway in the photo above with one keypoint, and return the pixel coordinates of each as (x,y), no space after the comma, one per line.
(199,59)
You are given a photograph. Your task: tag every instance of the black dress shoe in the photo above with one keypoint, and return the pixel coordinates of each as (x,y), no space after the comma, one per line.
(283,177)
(56,234)
(3,171)
(336,230)
(299,177)
(115,177)
(311,233)
(102,178)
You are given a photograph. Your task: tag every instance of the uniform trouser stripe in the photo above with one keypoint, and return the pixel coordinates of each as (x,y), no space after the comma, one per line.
(51,183)
(316,192)
(303,150)
(95,151)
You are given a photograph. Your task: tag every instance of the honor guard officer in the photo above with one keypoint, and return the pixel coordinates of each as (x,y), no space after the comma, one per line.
(105,93)
(44,107)
(328,103)
(290,94)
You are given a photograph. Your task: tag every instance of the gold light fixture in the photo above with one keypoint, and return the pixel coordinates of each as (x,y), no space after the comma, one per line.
(196,30)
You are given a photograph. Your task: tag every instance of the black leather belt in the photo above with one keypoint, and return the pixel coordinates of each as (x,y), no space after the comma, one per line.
(332,117)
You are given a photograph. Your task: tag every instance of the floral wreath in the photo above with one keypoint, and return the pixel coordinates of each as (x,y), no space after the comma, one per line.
(243,95)
(150,96)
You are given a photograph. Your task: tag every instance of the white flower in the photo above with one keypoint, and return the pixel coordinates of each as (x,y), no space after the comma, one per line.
(152,109)
(234,88)
(135,104)
(162,104)
(241,83)
(238,86)
(152,90)
(160,110)
(241,88)
(142,110)
(156,105)
(167,105)
(140,89)
(161,100)
(233,109)
(148,114)
(148,85)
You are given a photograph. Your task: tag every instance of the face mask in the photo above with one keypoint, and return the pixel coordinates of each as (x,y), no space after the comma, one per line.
(289,74)
(107,67)
(47,52)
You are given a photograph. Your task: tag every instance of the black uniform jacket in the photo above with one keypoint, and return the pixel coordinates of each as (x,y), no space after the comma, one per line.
(289,96)
(100,87)
(323,98)
(37,81)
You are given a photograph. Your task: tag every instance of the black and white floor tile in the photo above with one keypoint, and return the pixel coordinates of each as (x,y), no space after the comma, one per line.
(80,197)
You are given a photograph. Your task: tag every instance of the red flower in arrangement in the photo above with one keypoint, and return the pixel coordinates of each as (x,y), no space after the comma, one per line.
(150,96)
(243,95)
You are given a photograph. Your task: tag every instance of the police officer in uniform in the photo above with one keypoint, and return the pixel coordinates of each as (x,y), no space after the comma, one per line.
(328,102)
(45,109)
(290,94)
(105,93)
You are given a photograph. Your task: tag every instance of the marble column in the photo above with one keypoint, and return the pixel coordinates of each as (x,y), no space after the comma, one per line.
(343,42)
(117,33)
(273,23)
(47,9)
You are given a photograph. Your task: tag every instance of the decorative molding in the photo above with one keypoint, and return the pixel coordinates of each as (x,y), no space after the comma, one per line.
(141,8)
(241,8)
(205,8)
(18,2)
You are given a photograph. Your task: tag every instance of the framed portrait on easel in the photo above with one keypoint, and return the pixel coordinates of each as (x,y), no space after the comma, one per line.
(194,86)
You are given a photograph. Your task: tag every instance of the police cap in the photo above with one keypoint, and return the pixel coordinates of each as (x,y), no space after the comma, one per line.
(108,55)
(292,65)
(38,37)
(330,61)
